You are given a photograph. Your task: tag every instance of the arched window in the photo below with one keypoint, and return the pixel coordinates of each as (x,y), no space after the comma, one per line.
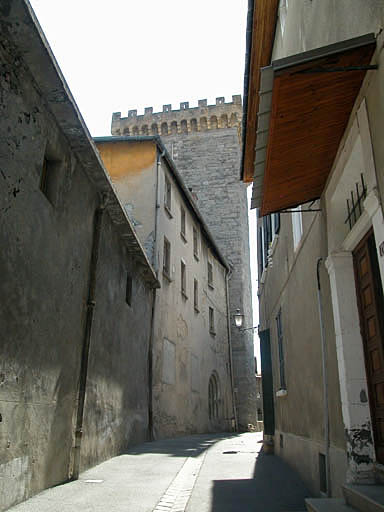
(135,130)
(224,121)
(213,123)
(174,127)
(203,124)
(126,131)
(193,125)
(184,126)
(154,129)
(233,119)
(213,397)
(144,130)
(164,129)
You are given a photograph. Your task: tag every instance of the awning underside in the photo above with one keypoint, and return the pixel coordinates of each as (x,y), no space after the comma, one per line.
(305,104)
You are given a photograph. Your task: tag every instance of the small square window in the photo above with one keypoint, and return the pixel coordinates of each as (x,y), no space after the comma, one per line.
(128,290)
(212,321)
(49,179)
(167,196)
(196,295)
(195,243)
(167,258)
(210,274)
(182,224)
(183,279)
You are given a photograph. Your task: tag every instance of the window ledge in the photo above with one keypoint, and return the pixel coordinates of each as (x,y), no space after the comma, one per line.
(184,238)
(167,276)
(197,310)
(168,211)
(212,333)
(184,295)
(210,285)
(196,256)
(263,275)
(281,392)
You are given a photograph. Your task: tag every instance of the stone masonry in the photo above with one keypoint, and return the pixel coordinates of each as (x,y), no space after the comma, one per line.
(204,142)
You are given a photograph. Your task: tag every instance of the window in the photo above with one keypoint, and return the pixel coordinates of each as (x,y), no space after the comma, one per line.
(213,397)
(49,180)
(212,321)
(281,353)
(167,196)
(167,258)
(128,290)
(297,226)
(195,244)
(210,274)
(183,279)
(196,295)
(266,234)
(182,224)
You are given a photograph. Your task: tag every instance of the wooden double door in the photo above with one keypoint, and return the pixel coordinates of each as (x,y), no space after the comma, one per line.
(371,304)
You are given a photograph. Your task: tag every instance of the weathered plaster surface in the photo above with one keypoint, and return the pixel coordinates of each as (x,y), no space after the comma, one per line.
(44,264)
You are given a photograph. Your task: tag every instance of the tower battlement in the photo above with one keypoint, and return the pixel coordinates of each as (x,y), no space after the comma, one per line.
(185,120)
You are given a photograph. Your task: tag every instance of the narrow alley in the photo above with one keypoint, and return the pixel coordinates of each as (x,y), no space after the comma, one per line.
(201,473)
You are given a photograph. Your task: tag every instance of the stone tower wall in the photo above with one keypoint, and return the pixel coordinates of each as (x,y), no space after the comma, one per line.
(204,142)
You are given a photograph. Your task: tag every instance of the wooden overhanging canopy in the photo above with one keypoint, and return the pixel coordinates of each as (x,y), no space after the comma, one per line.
(305,103)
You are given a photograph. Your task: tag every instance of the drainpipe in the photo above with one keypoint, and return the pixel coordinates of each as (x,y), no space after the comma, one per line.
(156,267)
(325,377)
(91,303)
(227,277)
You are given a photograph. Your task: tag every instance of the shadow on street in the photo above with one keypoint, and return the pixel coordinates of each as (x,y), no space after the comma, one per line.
(275,487)
(191,446)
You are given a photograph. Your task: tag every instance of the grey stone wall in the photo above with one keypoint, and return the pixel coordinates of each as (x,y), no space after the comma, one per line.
(204,142)
(45,266)
(209,164)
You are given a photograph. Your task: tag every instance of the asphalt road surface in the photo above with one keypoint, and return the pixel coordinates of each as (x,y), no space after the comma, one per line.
(201,473)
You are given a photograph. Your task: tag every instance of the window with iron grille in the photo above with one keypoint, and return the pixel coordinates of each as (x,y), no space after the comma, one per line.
(211,321)
(210,274)
(167,195)
(167,258)
(182,223)
(195,243)
(128,290)
(281,351)
(183,278)
(196,294)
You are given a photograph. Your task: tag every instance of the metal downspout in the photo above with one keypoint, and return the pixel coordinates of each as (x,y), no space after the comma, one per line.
(227,276)
(325,377)
(156,267)
(91,303)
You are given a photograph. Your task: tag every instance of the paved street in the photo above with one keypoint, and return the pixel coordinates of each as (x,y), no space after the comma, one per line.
(203,473)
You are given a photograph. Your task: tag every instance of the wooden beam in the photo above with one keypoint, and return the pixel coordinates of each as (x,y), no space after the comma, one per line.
(263,35)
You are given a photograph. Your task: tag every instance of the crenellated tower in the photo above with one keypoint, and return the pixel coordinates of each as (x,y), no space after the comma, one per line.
(204,142)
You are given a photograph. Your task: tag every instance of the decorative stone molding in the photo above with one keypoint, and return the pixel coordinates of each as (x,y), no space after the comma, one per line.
(372,202)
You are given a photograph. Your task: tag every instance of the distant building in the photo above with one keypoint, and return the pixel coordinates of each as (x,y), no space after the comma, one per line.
(191,365)
(204,142)
(313,147)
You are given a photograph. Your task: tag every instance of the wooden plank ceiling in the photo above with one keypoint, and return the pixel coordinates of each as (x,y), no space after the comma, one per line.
(309,114)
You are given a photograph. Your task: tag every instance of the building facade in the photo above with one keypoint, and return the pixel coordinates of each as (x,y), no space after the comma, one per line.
(191,353)
(68,251)
(204,142)
(313,149)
